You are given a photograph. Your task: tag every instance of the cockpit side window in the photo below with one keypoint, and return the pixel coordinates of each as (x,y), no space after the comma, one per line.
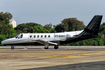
(19,36)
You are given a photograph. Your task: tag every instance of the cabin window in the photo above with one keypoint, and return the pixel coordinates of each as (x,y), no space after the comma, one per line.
(45,36)
(34,36)
(41,36)
(37,36)
(30,36)
(48,36)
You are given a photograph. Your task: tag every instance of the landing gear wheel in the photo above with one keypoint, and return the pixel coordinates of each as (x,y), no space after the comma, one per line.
(46,47)
(12,47)
(56,47)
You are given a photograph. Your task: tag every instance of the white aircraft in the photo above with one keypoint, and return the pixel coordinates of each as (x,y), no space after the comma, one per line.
(91,31)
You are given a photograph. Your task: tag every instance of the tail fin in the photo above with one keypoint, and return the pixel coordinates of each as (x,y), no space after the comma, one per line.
(92,28)
(91,31)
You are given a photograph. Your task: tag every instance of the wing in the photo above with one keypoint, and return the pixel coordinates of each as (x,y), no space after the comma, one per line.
(45,42)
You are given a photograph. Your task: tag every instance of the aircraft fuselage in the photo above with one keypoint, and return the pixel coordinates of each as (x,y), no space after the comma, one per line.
(91,31)
(28,38)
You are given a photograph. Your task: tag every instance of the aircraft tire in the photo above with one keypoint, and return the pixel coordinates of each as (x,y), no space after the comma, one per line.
(12,47)
(56,47)
(46,47)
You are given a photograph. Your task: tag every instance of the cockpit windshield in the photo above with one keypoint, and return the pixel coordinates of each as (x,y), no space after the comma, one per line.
(19,36)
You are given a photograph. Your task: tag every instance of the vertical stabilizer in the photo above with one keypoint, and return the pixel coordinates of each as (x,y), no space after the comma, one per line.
(93,27)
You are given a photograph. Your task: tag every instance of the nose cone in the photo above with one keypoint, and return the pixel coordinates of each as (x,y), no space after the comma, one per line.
(2,42)
(7,41)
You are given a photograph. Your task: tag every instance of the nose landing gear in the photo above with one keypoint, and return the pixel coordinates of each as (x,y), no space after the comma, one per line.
(12,47)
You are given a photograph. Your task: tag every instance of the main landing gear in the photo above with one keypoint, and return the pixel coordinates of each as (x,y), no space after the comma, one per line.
(12,47)
(46,46)
(55,46)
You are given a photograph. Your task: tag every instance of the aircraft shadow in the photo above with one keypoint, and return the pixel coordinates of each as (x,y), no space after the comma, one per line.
(80,66)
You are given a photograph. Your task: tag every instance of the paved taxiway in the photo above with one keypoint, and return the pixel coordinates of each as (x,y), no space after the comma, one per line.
(64,58)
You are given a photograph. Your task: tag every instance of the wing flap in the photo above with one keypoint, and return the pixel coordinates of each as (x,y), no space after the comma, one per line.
(44,42)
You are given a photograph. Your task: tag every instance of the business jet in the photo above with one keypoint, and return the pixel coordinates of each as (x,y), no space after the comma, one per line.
(91,31)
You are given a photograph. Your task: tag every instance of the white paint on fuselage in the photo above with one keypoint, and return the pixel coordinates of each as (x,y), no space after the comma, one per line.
(31,37)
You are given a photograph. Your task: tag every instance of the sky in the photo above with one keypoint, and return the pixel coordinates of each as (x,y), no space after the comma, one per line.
(52,11)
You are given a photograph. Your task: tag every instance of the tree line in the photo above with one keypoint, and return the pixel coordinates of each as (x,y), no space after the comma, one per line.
(67,24)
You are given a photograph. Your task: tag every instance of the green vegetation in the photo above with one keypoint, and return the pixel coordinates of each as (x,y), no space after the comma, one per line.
(31,28)
(6,29)
(68,24)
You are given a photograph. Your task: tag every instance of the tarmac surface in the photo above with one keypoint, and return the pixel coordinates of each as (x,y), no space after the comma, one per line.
(64,58)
